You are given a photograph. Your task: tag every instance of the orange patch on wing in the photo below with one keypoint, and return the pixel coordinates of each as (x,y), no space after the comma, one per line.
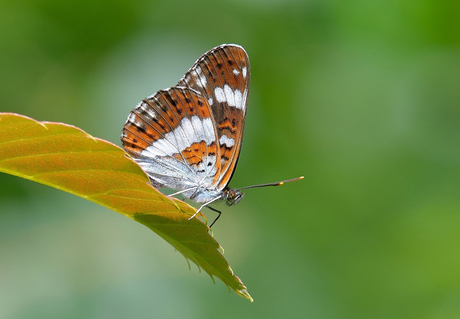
(197,153)
(132,142)
(226,152)
(227,125)
(185,101)
(148,130)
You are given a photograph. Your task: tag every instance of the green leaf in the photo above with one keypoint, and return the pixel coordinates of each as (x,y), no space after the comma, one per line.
(65,157)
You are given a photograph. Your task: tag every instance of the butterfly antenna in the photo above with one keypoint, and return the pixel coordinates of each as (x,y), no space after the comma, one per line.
(274,184)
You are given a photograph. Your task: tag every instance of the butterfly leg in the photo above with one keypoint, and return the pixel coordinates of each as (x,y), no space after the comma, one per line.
(205,204)
(217,211)
(180,192)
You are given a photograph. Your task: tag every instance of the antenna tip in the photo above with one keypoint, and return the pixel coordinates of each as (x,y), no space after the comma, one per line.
(301,177)
(280,183)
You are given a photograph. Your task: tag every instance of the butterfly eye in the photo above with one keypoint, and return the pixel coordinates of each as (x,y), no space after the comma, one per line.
(233,197)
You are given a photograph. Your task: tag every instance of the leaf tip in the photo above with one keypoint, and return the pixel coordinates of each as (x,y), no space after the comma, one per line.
(241,290)
(244,293)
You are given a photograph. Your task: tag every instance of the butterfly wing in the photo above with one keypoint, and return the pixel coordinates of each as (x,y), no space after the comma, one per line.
(222,77)
(172,136)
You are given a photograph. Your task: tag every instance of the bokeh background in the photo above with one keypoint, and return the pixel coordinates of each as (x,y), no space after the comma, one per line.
(361,97)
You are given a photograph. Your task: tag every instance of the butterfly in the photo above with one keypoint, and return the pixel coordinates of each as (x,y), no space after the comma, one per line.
(188,137)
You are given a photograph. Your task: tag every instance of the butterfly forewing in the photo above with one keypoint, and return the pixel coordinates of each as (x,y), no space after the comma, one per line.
(222,77)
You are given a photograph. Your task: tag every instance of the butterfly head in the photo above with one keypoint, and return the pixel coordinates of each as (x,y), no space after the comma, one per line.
(233,196)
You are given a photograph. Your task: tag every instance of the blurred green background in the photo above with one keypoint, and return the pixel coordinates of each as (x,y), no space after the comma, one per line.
(361,97)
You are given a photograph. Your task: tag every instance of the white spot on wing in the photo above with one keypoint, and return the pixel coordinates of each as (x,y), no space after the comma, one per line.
(230,95)
(236,72)
(245,72)
(220,96)
(209,130)
(227,141)
(239,100)
(233,97)
(244,100)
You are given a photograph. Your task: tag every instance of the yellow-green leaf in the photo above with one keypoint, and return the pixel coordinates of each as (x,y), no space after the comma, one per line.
(65,157)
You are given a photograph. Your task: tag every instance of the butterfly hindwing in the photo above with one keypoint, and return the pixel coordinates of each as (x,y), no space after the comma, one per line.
(172,135)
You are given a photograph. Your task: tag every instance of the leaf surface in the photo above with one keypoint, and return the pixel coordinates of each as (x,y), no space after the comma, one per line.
(65,157)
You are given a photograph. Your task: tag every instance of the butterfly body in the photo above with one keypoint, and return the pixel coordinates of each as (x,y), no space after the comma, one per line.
(188,137)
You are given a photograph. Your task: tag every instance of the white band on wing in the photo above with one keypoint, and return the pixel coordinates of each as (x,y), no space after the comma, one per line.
(188,132)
